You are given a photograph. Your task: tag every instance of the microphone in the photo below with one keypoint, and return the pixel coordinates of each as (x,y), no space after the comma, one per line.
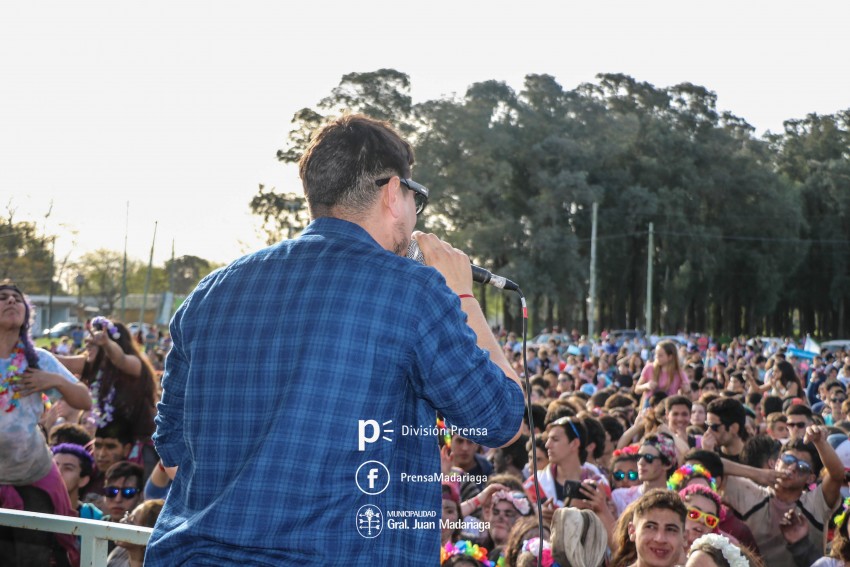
(479,275)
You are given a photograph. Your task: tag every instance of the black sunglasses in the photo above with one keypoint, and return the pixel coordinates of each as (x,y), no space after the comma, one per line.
(714,426)
(648,457)
(837,400)
(126,493)
(802,424)
(633,475)
(420,192)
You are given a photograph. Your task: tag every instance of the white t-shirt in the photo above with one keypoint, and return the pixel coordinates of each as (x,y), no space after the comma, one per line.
(24,455)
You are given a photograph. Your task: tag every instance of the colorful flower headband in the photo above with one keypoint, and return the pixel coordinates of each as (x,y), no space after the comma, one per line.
(840,518)
(518,499)
(665,446)
(447,435)
(532,546)
(627,450)
(731,554)
(687,472)
(467,549)
(105,323)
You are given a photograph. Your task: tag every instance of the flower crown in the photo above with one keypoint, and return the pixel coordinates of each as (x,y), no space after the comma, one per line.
(731,553)
(627,450)
(532,546)
(687,472)
(467,549)
(105,323)
(840,518)
(518,499)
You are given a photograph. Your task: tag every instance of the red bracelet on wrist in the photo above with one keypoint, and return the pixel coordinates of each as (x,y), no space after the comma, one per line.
(462,295)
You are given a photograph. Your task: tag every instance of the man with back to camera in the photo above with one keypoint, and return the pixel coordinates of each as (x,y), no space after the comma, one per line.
(411,340)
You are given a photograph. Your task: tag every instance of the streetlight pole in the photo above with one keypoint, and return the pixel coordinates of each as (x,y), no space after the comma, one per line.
(80,280)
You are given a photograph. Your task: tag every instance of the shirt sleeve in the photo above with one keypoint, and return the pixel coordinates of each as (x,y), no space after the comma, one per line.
(48,363)
(168,438)
(458,378)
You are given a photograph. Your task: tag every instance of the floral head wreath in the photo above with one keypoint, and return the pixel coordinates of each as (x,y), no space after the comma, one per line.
(518,499)
(687,472)
(627,450)
(731,553)
(665,446)
(532,546)
(105,323)
(467,549)
(842,517)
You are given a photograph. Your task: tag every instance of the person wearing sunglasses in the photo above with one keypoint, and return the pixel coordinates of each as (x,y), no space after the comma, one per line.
(123,489)
(253,347)
(656,460)
(624,472)
(705,511)
(798,467)
(799,418)
(726,432)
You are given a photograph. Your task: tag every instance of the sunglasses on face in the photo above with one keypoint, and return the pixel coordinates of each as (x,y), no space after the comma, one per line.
(837,400)
(714,426)
(648,457)
(420,192)
(709,520)
(126,493)
(801,424)
(802,466)
(620,475)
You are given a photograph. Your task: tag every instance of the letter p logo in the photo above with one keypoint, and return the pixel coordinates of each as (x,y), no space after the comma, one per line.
(369,430)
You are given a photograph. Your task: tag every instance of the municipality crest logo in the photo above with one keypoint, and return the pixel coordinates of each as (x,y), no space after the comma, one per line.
(370,521)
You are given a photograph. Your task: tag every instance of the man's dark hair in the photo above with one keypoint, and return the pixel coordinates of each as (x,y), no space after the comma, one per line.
(116,429)
(595,433)
(599,398)
(709,459)
(677,401)
(771,404)
(730,411)
(573,426)
(83,456)
(800,445)
(759,450)
(800,409)
(753,399)
(345,158)
(662,499)
(538,412)
(613,426)
(706,381)
(68,433)
(619,401)
(557,410)
(831,383)
(125,469)
(514,454)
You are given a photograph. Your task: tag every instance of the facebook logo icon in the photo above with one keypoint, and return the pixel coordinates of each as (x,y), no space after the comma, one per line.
(372,477)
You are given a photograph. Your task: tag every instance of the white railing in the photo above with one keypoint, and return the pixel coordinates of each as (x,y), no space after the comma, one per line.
(94,533)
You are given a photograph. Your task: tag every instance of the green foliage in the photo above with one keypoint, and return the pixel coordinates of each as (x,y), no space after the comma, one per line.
(283,214)
(25,255)
(749,232)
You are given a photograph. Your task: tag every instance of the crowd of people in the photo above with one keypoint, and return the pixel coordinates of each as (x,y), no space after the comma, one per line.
(737,450)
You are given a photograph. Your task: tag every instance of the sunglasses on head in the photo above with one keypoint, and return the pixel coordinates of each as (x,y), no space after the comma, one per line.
(802,466)
(709,520)
(648,457)
(126,493)
(620,475)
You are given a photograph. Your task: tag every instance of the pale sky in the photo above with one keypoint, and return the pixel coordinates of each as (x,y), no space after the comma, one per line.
(179,107)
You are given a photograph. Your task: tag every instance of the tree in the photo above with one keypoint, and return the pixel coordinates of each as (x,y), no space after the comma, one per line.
(188,271)
(25,255)
(102,271)
(283,214)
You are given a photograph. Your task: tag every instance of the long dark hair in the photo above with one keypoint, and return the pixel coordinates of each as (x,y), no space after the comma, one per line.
(24,332)
(134,397)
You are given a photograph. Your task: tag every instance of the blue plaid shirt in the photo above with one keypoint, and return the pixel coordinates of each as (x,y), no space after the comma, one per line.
(297,380)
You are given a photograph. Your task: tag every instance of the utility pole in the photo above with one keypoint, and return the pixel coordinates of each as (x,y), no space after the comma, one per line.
(124,268)
(650,246)
(147,282)
(591,302)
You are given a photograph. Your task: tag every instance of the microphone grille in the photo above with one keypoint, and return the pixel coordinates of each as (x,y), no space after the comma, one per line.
(414,253)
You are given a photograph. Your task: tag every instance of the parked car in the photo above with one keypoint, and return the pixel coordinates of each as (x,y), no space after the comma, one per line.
(835,346)
(59,330)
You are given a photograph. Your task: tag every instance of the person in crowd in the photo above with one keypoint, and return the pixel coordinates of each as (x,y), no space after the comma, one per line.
(506,507)
(29,478)
(726,422)
(451,513)
(254,389)
(784,381)
(123,490)
(715,550)
(68,433)
(762,508)
(698,415)
(122,385)
(129,554)
(464,553)
(76,466)
(112,444)
(537,449)
(799,418)
(664,374)
(704,511)
(656,461)
(657,529)
(836,395)
(761,452)
(777,426)
(624,473)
